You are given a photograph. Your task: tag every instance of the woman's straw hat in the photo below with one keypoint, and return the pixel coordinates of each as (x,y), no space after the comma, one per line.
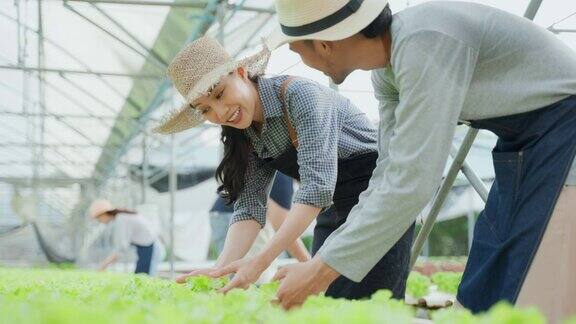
(99,207)
(322,19)
(195,70)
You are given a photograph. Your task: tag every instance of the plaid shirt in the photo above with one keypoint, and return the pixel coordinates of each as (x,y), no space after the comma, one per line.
(329,128)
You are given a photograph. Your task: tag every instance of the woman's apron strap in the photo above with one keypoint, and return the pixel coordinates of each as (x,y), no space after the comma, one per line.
(291,131)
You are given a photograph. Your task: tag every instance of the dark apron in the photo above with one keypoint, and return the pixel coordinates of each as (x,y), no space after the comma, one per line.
(354,174)
(144,258)
(532,159)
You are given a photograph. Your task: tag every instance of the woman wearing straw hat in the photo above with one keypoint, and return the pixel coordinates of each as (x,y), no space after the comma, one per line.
(295,126)
(130,228)
(435,64)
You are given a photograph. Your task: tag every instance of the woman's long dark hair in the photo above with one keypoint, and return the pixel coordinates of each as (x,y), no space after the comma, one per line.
(232,169)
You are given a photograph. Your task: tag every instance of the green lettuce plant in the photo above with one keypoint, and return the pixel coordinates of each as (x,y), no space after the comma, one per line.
(447,282)
(53,296)
(417,285)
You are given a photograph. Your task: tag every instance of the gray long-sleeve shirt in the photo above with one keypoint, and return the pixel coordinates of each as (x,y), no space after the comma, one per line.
(450,61)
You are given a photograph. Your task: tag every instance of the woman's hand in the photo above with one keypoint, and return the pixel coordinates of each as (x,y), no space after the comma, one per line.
(197,272)
(246,271)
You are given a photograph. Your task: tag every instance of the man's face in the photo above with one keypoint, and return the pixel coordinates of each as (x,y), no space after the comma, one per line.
(323,56)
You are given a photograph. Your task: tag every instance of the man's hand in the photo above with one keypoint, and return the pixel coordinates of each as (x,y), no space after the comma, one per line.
(193,273)
(301,280)
(246,271)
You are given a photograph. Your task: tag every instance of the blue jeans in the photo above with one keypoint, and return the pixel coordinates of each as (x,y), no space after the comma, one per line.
(532,158)
(219,222)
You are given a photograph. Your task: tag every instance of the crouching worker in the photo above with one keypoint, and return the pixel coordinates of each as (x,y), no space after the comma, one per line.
(130,229)
(298,127)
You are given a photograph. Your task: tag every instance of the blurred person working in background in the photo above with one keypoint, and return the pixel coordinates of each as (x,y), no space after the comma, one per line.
(279,202)
(129,229)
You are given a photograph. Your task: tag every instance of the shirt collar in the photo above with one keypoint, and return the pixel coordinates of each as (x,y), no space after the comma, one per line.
(269,95)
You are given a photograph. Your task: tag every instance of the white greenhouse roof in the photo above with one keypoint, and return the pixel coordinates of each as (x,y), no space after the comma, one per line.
(75,108)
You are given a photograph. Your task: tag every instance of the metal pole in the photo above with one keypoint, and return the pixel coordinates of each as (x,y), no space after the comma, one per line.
(22,67)
(179,4)
(247,42)
(159,97)
(39,193)
(179,157)
(532,9)
(558,31)
(472,177)
(442,194)
(152,59)
(471,222)
(18,31)
(129,34)
(56,45)
(173,187)
(220,14)
(144,166)
(74,116)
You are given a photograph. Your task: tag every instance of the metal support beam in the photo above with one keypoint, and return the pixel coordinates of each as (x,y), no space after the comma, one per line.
(75,102)
(55,148)
(173,187)
(559,30)
(532,9)
(132,36)
(60,145)
(60,120)
(144,168)
(471,222)
(28,162)
(442,194)
(23,114)
(70,71)
(159,64)
(247,43)
(64,51)
(60,181)
(181,156)
(39,151)
(182,4)
(111,87)
(472,177)
(220,15)
(160,94)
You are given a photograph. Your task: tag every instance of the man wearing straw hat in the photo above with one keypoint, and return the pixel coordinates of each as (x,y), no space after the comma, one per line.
(436,64)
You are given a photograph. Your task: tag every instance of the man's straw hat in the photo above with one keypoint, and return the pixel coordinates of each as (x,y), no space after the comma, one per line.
(99,207)
(322,19)
(195,70)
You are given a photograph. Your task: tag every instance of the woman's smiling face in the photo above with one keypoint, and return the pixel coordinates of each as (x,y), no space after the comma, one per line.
(232,102)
